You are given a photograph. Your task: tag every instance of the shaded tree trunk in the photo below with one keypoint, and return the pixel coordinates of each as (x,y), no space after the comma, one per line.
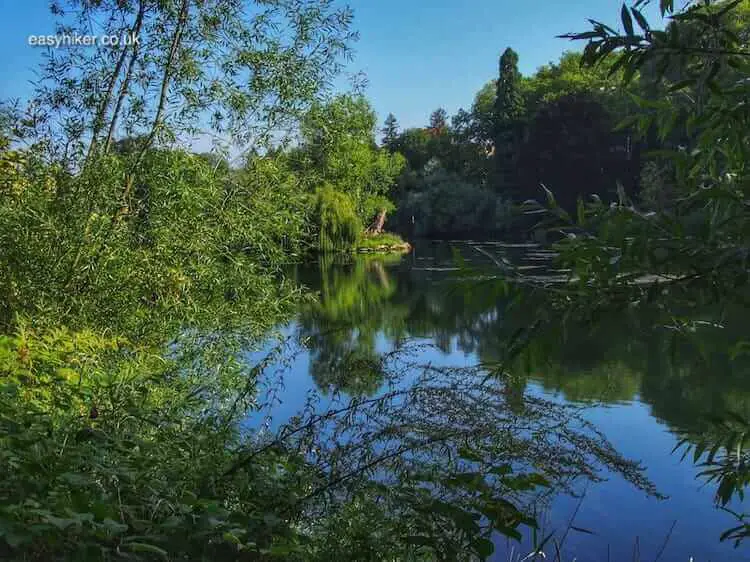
(125,85)
(164,91)
(104,105)
(377,225)
(166,79)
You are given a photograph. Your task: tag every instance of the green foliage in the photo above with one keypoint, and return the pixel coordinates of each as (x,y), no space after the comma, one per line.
(438,121)
(382,241)
(657,189)
(483,112)
(363,529)
(96,435)
(445,206)
(134,278)
(198,67)
(273,218)
(414,145)
(702,235)
(390,132)
(339,142)
(509,104)
(570,148)
(695,237)
(568,77)
(722,455)
(183,238)
(335,215)
(507,115)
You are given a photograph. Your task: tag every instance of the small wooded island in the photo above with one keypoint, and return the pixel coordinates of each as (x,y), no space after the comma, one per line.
(243,317)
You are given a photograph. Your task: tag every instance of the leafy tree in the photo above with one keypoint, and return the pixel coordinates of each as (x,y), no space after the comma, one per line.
(125,433)
(108,195)
(338,225)
(414,145)
(569,77)
(339,141)
(441,142)
(197,67)
(711,177)
(696,76)
(467,153)
(571,149)
(508,114)
(483,114)
(444,205)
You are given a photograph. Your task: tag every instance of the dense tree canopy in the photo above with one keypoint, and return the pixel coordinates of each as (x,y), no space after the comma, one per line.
(338,145)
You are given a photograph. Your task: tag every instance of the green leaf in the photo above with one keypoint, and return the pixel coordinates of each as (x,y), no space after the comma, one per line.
(728,7)
(550,196)
(642,23)
(666,6)
(468,454)
(509,532)
(59,522)
(699,449)
(681,85)
(626,123)
(420,540)
(627,21)
(730,532)
(114,527)
(145,547)
(484,548)
(231,538)
(726,489)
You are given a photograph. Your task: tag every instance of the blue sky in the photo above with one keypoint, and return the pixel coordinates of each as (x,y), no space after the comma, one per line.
(417,54)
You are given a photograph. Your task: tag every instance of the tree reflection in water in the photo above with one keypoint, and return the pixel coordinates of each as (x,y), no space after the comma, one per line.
(464,436)
(371,306)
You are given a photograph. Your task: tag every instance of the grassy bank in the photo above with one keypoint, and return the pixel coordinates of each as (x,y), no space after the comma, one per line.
(384,243)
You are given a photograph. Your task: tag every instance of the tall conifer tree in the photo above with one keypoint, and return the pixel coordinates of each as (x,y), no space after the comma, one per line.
(508,121)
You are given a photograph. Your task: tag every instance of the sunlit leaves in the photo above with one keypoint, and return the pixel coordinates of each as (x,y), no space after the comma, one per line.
(258,68)
(339,146)
(79,484)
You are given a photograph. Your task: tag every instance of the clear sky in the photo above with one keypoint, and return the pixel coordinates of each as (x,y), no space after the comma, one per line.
(417,54)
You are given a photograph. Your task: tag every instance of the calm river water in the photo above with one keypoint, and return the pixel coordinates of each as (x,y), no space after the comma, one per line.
(638,386)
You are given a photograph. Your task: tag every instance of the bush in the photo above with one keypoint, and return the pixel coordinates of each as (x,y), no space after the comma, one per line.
(90,249)
(95,438)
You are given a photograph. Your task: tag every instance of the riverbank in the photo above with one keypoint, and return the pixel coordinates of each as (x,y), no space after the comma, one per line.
(384,243)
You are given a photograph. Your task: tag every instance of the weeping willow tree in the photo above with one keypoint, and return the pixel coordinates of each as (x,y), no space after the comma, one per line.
(339,227)
(340,149)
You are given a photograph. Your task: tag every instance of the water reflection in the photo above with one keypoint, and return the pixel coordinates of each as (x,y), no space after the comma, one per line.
(642,381)
(611,359)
